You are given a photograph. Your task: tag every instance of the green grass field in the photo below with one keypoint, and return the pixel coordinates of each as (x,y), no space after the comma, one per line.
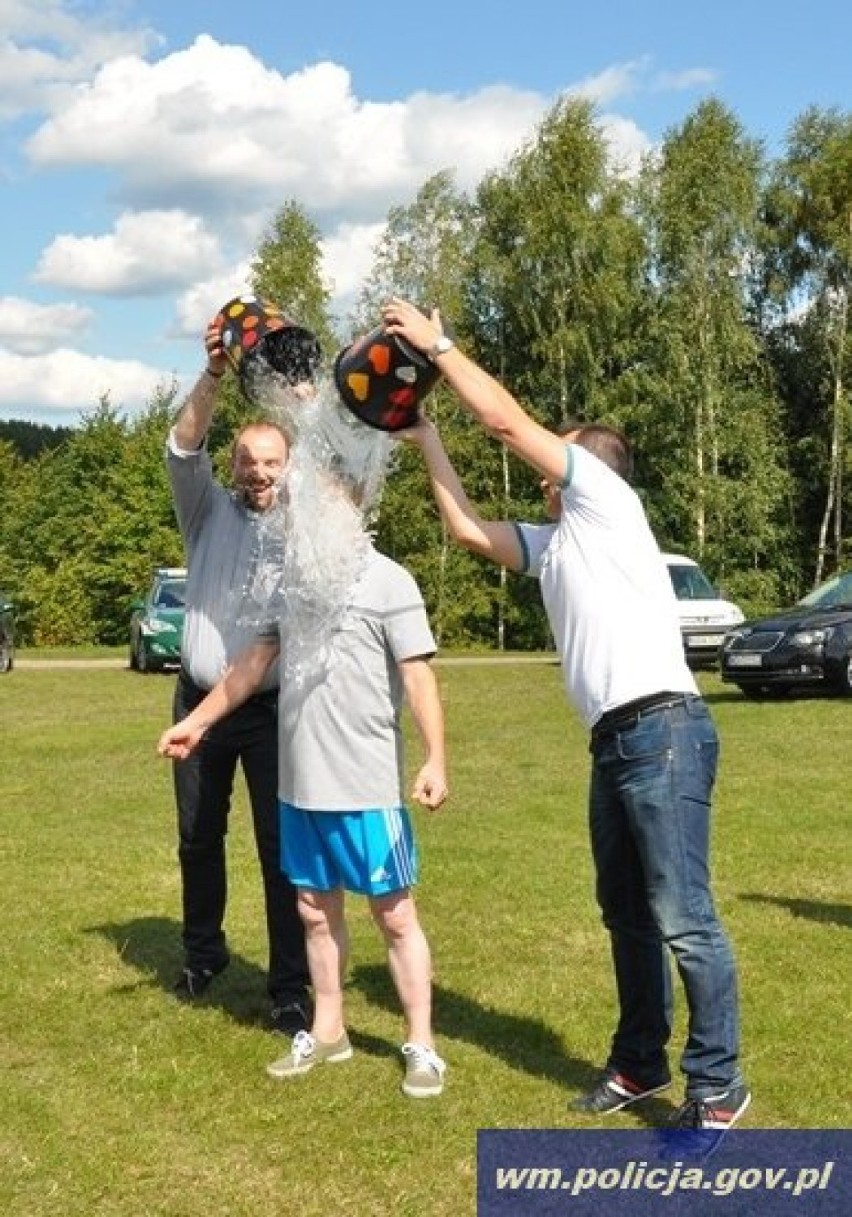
(119,1102)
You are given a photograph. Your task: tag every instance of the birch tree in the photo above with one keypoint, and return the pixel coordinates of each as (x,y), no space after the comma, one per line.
(713,466)
(809,221)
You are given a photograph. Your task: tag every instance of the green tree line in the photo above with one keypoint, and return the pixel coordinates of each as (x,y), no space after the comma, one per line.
(702,305)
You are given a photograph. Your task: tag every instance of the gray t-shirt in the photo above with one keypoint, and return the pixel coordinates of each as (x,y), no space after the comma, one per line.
(340,738)
(224,543)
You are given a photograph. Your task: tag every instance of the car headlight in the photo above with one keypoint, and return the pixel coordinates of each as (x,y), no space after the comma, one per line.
(733,636)
(153,625)
(810,638)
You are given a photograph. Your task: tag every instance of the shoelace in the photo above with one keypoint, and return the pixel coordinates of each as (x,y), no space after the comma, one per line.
(425,1059)
(694,1114)
(303,1046)
(202,977)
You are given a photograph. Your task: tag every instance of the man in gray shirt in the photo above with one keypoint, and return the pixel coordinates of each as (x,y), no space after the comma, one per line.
(222,533)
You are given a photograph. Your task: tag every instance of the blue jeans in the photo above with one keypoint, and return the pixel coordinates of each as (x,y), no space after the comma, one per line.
(649,813)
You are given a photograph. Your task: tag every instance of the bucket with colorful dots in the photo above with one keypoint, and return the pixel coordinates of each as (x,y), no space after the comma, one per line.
(382,380)
(261,342)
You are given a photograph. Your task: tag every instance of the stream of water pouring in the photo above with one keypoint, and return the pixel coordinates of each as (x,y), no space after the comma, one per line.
(313,544)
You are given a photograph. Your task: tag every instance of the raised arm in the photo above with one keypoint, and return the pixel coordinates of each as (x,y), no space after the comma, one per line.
(242,678)
(479,392)
(196,414)
(421,691)
(494,539)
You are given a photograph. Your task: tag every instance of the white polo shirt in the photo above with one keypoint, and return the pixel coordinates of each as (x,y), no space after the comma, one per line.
(607,593)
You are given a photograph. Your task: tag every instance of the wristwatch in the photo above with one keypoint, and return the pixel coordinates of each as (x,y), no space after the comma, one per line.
(441,346)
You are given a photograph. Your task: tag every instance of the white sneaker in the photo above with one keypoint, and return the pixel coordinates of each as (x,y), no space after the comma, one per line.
(424,1072)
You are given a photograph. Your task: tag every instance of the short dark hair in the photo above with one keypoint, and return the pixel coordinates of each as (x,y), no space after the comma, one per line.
(609,445)
(567,425)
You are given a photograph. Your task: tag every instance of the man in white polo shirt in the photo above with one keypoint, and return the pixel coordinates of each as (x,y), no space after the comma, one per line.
(654,747)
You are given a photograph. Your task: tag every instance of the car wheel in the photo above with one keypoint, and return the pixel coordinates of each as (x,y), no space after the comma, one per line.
(142,664)
(765,692)
(844,678)
(754,692)
(6,657)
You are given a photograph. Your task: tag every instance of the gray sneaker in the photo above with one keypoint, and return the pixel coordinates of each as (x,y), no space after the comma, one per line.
(424,1072)
(306,1052)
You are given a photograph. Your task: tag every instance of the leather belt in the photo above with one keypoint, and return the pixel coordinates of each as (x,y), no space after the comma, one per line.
(624,717)
(267,697)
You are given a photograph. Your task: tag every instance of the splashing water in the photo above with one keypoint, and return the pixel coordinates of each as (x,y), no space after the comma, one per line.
(315,542)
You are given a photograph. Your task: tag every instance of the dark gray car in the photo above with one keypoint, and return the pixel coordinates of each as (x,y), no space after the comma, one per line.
(808,646)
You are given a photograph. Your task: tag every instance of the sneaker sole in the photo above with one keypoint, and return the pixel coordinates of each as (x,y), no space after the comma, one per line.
(414,1092)
(714,1126)
(335,1059)
(627,1101)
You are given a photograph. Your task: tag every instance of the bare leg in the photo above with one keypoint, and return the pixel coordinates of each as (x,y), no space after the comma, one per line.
(409,960)
(327,943)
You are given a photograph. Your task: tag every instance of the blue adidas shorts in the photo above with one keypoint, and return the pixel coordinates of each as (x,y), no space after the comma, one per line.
(372,852)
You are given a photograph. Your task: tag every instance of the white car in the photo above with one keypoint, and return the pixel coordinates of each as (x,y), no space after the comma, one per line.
(705,616)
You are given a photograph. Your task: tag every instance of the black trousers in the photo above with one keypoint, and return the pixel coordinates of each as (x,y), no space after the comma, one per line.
(204,785)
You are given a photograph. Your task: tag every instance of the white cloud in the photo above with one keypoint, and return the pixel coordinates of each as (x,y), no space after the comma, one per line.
(203,145)
(68,380)
(347,257)
(147,253)
(618,80)
(27,328)
(211,127)
(199,303)
(627,143)
(45,50)
(211,131)
(691,78)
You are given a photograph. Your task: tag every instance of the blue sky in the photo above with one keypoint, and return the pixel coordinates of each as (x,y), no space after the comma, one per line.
(146,144)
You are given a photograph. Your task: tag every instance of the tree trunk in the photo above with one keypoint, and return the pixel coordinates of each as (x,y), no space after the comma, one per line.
(834,500)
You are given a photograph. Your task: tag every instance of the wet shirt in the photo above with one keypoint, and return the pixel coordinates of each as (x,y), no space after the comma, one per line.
(227,550)
(340,736)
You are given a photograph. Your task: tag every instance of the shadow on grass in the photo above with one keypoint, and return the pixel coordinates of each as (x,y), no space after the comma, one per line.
(152,945)
(521,1041)
(813,910)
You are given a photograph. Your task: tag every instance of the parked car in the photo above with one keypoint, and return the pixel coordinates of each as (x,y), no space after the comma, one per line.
(705,615)
(156,624)
(7,635)
(808,646)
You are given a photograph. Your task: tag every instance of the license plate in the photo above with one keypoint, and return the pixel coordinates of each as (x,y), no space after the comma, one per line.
(744,661)
(705,640)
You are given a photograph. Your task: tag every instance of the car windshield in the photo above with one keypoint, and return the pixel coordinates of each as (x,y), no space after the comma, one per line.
(690,583)
(835,592)
(171,594)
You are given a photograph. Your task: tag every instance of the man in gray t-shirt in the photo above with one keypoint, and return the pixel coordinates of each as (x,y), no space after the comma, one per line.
(345,824)
(222,532)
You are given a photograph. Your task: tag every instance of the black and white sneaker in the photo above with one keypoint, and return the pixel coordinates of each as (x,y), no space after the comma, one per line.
(614,1091)
(193,982)
(713,1112)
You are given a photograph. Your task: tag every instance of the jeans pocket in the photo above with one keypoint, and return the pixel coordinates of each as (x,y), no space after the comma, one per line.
(651,737)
